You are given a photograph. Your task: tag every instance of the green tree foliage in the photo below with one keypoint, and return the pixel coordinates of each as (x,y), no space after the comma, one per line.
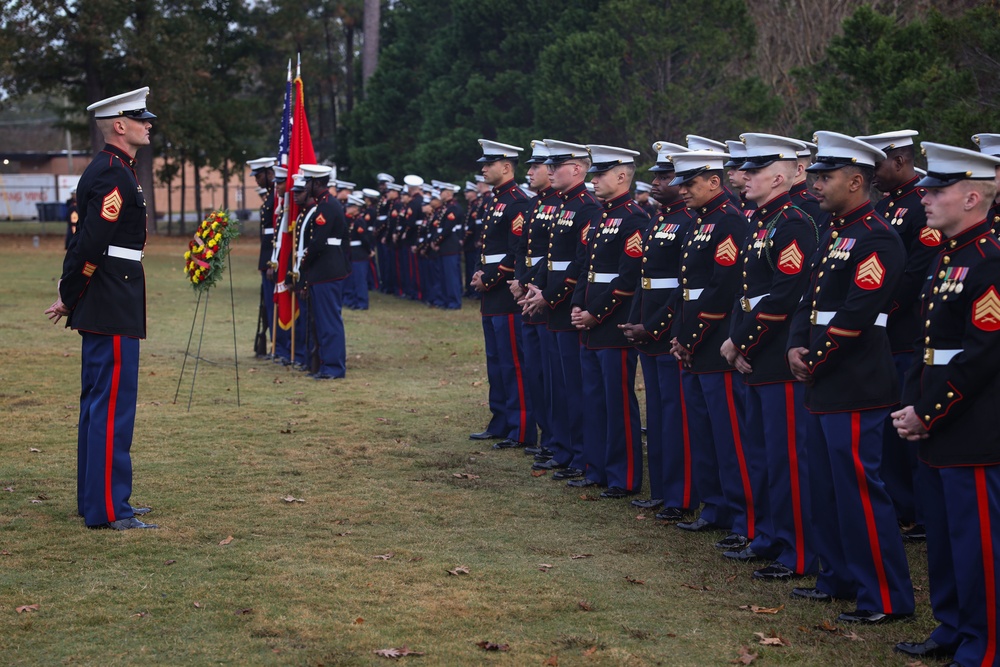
(937,75)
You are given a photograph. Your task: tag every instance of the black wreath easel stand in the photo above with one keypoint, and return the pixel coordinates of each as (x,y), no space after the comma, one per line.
(201,336)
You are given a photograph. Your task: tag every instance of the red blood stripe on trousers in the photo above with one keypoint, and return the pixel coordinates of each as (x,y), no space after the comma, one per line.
(866,504)
(734,425)
(687,438)
(793,468)
(989,578)
(627,413)
(109,430)
(522,408)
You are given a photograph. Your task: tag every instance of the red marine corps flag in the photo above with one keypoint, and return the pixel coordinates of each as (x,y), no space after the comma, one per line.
(300,152)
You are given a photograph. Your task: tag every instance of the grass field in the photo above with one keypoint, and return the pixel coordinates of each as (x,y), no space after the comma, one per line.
(393,496)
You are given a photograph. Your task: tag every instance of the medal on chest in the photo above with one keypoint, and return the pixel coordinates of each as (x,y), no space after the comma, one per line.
(842,248)
(611,225)
(666,231)
(953,279)
(566,218)
(897,216)
(704,233)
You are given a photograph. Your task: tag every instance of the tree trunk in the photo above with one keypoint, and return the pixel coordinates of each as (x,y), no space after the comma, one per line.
(183,166)
(144,172)
(349,65)
(225,185)
(197,190)
(369,49)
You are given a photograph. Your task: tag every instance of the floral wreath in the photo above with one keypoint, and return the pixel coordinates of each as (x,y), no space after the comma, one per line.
(204,259)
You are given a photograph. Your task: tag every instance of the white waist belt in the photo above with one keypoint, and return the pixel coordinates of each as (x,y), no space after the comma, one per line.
(493,259)
(383,217)
(823,318)
(659,283)
(750,304)
(334,241)
(601,277)
(939,357)
(693,294)
(124,253)
(456,228)
(268,231)
(558,266)
(355,244)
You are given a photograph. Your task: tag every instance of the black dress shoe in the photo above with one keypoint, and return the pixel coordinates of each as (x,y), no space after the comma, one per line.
(732,542)
(674,514)
(915,533)
(484,435)
(746,555)
(568,473)
(551,464)
(544,456)
(697,525)
(925,649)
(534,451)
(814,594)
(141,511)
(617,492)
(870,617)
(647,504)
(124,524)
(580,483)
(508,444)
(775,572)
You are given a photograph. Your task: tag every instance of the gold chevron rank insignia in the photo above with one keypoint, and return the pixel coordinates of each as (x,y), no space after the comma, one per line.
(584,233)
(727,252)
(986,311)
(111,207)
(517,224)
(633,246)
(790,259)
(870,273)
(320,219)
(930,237)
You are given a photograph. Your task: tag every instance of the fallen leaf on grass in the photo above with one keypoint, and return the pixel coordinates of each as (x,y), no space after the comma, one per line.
(384,421)
(545,567)
(169,562)
(696,588)
(586,497)
(34,450)
(278,381)
(5,553)
(9,489)
(197,605)
(396,652)
(538,473)
(293,499)
(827,626)
(579,556)
(916,663)
(140,614)
(359,621)
(853,636)
(416,559)
(465,475)
(26,607)
(490,646)
(745,657)
(384,556)
(226,541)
(633,580)
(590,651)
(344,534)
(477,383)
(244,612)
(640,517)
(586,606)
(461,569)
(771,640)
(36,501)
(552,661)
(762,610)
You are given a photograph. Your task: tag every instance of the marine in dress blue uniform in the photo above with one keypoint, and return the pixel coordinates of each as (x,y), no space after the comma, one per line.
(839,348)
(606,284)
(409,222)
(446,243)
(503,224)
(303,329)
(697,143)
(103,294)
(989,144)
(72,217)
(551,289)
(737,156)
(362,246)
(710,278)
(383,237)
(324,267)
(901,207)
(801,195)
(950,401)
(775,261)
(668,438)
(263,173)
(540,351)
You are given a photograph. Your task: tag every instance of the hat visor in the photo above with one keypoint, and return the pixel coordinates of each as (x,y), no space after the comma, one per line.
(753,164)
(824,166)
(686,177)
(660,168)
(535,160)
(601,167)
(929,181)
